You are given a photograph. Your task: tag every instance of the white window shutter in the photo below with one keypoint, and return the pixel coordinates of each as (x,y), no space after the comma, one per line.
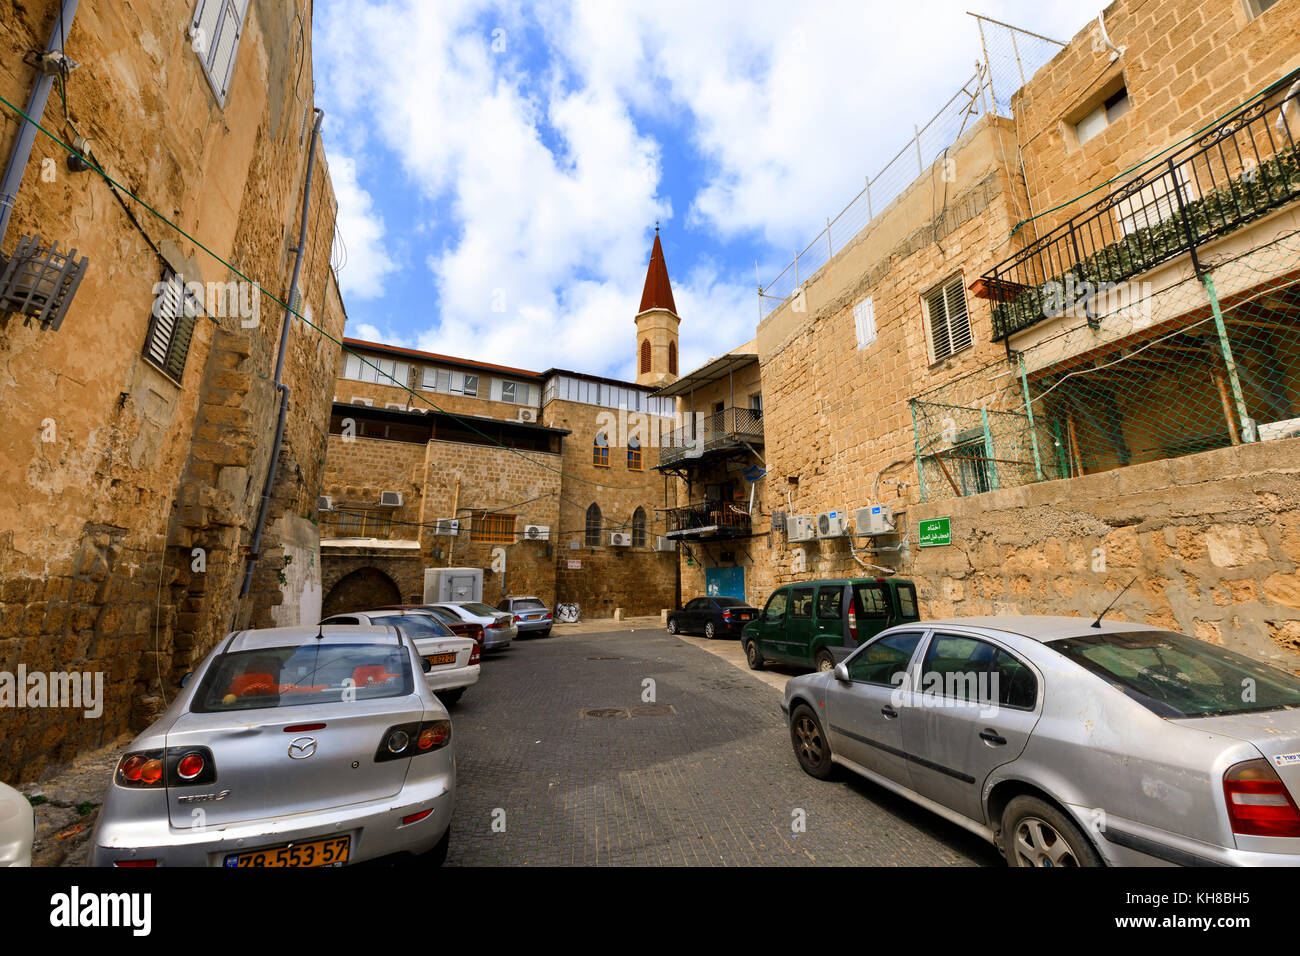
(864,322)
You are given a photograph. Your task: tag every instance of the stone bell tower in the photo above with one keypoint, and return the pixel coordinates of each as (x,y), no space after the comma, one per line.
(656,324)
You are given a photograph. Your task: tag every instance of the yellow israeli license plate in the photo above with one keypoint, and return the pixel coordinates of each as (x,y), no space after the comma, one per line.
(436,659)
(331,851)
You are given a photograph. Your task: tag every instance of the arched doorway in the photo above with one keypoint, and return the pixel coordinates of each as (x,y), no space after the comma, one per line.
(363,588)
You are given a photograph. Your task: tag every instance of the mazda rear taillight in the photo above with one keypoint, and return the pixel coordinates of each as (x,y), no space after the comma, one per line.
(174,767)
(190,766)
(407,740)
(1258,801)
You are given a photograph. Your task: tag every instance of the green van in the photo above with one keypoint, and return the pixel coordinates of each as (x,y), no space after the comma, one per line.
(819,623)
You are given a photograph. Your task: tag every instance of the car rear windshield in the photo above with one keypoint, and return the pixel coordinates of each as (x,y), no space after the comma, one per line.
(308,674)
(416,626)
(482,610)
(529,604)
(729,602)
(1178,676)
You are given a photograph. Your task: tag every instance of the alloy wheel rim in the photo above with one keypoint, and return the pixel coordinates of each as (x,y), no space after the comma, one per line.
(751,652)
(824,665)
(810,740)
(1037,843)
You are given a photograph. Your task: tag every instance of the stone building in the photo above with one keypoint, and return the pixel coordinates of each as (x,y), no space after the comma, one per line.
(1067,355)
(546,481)
(139,420)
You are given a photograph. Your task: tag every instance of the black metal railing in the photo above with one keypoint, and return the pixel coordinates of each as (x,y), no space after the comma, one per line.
(1243,168)
(709,518)
(702,433)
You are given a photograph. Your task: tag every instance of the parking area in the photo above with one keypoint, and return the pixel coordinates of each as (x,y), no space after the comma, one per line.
(567,756)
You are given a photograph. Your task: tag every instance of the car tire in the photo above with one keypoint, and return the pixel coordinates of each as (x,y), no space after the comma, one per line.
(752,656)
(811,748)
(824,661)
(438,855)
(1036,833)
(546,633)
(710,631)
(672,625)
(449,697)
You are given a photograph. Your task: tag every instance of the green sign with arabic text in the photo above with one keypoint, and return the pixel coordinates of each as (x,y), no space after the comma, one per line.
(935,533)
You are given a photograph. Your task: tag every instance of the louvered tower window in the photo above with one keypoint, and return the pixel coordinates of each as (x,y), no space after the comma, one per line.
(945,310)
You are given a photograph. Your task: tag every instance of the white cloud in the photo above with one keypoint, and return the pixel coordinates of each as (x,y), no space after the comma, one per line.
(361,230)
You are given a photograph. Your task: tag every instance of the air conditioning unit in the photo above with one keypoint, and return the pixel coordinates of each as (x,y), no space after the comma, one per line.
(832,524)
(665,544)
(324,503)
(423,409)
(397,405)
(801,528)
(536,532)
(877,519)
(358,400)
(528,415)
(446,526)
(620,539)
(390,499)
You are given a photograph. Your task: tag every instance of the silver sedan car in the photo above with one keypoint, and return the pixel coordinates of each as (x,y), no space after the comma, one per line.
(1067,743)
(291,746)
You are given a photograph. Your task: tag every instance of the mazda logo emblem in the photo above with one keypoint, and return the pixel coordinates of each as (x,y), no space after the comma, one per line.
(300,748)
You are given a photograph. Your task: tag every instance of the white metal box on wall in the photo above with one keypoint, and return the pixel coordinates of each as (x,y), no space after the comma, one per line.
(452,584)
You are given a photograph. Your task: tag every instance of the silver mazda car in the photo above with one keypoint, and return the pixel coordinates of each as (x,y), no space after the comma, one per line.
(290,746)
(1067,742)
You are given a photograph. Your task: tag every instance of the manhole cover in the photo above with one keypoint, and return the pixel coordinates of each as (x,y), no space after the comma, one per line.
(604,712)
(653,710)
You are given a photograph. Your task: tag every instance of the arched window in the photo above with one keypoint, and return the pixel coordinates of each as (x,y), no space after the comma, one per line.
(672,358)
(645,356)
(638,528)
(634,453)
(600,451)
(593,526)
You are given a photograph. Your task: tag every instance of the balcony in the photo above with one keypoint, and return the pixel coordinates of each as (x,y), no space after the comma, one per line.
(1222,179)
(731,429)
(706,520)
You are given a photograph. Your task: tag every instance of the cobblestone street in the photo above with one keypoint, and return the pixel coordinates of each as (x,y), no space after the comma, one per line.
(703,776)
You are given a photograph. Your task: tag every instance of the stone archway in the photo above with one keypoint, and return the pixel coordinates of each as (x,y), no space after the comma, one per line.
(360,589)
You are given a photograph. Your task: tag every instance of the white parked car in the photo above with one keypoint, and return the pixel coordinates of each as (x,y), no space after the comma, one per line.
(17,828)
(452,661)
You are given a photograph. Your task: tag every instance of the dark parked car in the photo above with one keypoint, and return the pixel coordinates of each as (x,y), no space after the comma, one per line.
(819,623)
(712,617)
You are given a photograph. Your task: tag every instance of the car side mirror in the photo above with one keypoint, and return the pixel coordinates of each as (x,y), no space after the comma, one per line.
(186,679)
(841,673)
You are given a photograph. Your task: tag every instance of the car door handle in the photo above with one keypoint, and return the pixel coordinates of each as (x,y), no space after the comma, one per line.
(889,712)
(988,735)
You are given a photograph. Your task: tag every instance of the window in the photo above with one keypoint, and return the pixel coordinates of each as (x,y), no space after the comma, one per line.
(454,383)
(382,371)
(508,391)
(593,526)
(830,603)
(638,528)
(1255,7)
(1115,106)
(356,523)
(958,668)
(864,322)
(672,358)
(907,600)
(871,601)
(470,385)
(490,527)
(880,662)
(945,311)
(171,327)
(600,451)
(756,402)
(972,468)
(775,610)
(214,36)
(645,356)
(1154,203)
(801,603)
(634,454)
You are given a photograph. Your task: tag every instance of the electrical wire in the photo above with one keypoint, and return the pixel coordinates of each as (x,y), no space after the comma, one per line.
(94,165)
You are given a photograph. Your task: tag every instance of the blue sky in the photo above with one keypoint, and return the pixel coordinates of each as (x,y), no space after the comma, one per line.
(500,166)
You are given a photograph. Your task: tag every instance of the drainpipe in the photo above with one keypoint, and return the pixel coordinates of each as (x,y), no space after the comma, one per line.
(22,148)
(255,550)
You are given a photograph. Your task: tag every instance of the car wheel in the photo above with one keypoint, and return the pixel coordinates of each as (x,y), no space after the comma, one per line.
(752,657)
(824,661)
(810,746)
(438,855)
(1035,833)
(672,625)
(546,633)
(710,631)
(449,697)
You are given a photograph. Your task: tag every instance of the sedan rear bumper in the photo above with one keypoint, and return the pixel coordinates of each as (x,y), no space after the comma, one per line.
(451,679)
(375,827)
(498,639)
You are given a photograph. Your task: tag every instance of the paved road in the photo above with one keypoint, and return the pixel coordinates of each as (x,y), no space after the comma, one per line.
(706,777)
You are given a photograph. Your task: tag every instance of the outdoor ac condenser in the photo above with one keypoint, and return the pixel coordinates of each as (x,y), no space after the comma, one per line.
(876,519)
(801,528)
(832,524)
(452,584)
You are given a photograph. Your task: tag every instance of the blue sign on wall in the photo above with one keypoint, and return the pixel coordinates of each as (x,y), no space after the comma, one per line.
(725,582)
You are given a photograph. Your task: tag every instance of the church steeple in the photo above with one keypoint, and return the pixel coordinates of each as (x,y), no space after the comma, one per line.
(656,323)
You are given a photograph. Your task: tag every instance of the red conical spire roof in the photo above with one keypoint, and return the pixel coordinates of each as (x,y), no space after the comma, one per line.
(658,292)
